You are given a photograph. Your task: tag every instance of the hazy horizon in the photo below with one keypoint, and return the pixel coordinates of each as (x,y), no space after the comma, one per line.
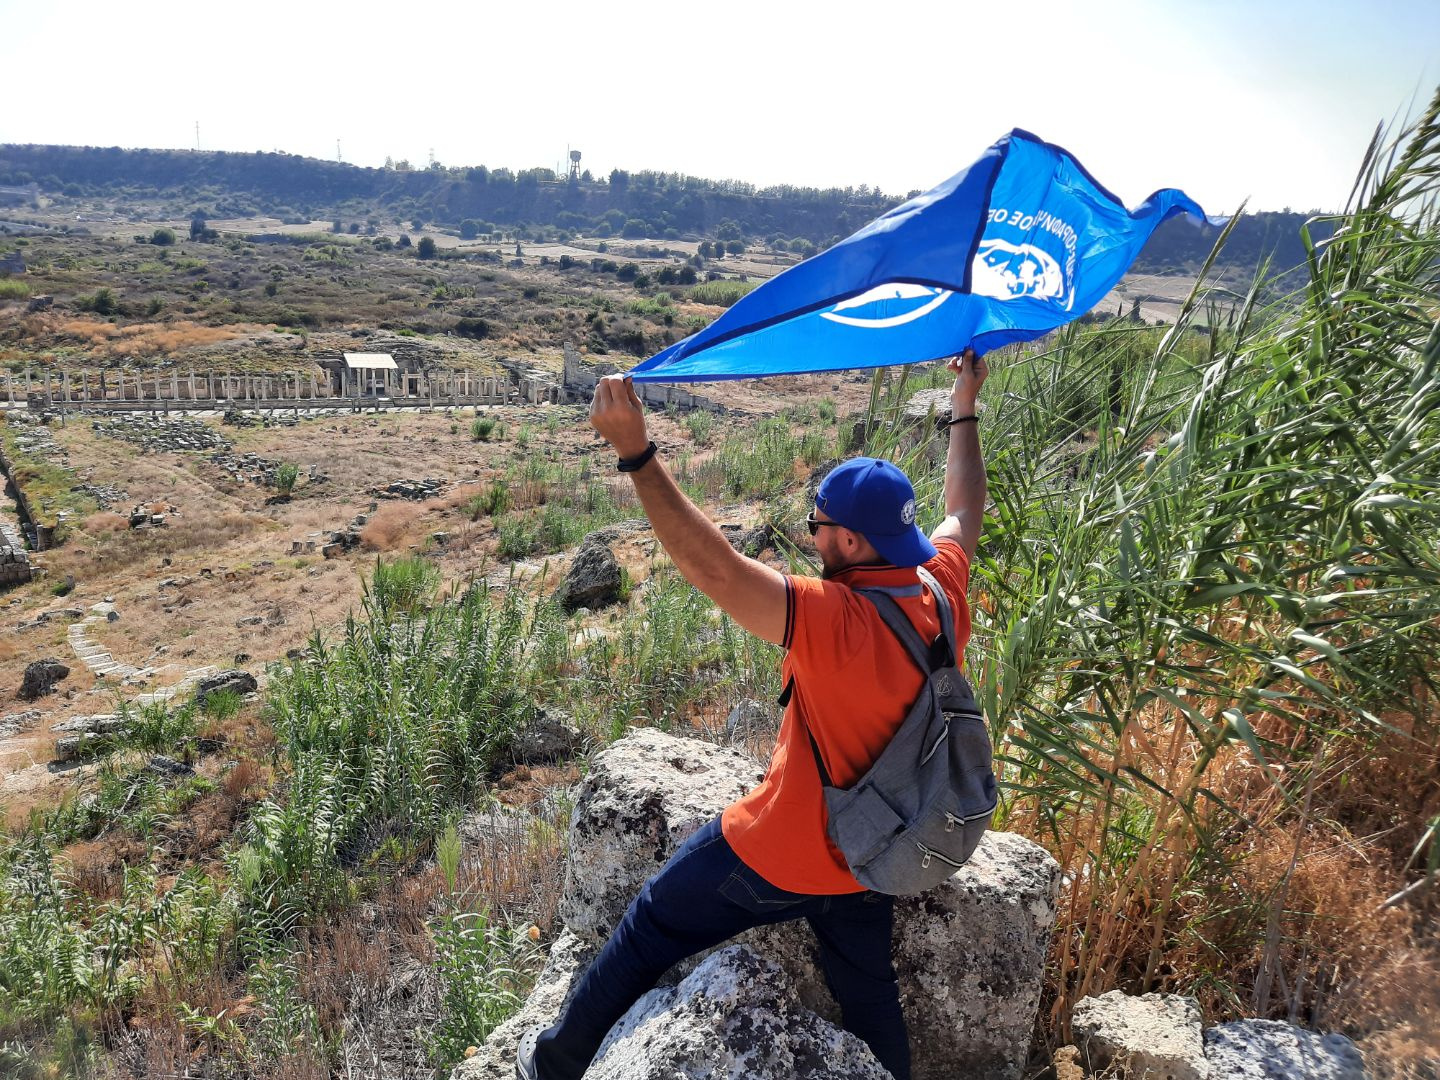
(1274,103)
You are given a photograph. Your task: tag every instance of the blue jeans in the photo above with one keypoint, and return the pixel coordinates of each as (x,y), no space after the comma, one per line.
(703,896)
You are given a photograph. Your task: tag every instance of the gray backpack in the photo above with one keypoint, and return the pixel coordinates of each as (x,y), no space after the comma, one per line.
(917,815)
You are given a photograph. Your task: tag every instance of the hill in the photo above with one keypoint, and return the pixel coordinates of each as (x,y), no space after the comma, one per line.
(537,204)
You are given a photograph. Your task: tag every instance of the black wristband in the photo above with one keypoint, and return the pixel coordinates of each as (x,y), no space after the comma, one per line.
(962,420)
(635,464)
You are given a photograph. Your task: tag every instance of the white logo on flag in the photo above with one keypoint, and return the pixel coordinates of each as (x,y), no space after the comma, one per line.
(1006,271)
(914,302)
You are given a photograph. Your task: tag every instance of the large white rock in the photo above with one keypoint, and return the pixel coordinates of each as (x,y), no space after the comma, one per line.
(643,796)
(1151,1037)
(969,954)
(1275,1050)
(734,1017)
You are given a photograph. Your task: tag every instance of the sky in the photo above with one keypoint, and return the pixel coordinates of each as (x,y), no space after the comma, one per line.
(1273,103)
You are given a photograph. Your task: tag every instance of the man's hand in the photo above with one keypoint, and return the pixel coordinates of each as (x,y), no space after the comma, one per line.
(971,371)
(616,413)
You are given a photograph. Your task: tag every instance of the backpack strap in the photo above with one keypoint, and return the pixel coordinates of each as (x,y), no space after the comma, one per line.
(947,616)
(924,656)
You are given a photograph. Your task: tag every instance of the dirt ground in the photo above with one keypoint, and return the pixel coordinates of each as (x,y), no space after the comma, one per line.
(236,579)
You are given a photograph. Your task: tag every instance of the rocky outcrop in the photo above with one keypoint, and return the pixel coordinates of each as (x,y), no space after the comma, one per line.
(969,954)
(593,580)
(735,1017)
(547,736)
(1275,1050)
(40,678)
(1152,1037)
(85,736)
(233,680)
(15,723)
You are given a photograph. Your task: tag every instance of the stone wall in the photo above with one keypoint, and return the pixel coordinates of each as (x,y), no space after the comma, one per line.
(580,379)
(14,559)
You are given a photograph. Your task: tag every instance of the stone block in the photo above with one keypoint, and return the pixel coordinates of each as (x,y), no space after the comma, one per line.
(1151,1037)
(1275,1050)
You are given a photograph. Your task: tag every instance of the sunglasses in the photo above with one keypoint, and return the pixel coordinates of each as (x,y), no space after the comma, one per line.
(813,523)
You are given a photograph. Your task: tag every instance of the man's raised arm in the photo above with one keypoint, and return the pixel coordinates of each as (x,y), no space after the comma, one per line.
(964,467)
(752,593)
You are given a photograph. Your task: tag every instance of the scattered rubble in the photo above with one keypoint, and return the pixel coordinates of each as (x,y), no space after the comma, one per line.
(145,516)
(15,723)
(105,496)
(239,418)
(254,469)
(32,435)
(156,433)
(428,488)
(83,736)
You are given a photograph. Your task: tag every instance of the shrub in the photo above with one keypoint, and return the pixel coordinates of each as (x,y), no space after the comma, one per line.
(102,302)
(700,424)
(481,428)
(11,289)
(492,502)
(517,537)
(472,328)
(404,585)
(285,477)
(721,292)
(426,248)
(163,237)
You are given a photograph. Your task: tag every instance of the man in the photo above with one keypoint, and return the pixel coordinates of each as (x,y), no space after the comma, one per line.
(767,858)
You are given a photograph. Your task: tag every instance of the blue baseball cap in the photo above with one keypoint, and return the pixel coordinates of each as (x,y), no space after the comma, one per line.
(875,498)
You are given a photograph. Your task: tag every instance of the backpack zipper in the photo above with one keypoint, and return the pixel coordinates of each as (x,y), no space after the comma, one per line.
(925,862)
(951,820)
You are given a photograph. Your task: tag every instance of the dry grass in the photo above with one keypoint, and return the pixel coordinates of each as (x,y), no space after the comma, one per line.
(390,525)
(105,339)
(104,523)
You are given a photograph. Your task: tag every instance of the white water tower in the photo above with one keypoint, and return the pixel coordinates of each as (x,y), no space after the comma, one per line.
(574,164)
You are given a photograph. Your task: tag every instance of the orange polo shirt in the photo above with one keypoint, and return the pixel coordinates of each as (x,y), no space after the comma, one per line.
(854,683)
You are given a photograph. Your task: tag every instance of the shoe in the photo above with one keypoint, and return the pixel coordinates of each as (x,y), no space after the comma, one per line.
(525,1056)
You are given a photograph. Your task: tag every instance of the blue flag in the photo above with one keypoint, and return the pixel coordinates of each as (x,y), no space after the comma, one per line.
(1021,242)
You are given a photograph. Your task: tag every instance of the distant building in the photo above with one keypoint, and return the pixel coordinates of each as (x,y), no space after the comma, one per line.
(372,374)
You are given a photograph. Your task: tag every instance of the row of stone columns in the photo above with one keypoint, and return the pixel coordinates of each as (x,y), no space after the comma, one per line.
(86,388)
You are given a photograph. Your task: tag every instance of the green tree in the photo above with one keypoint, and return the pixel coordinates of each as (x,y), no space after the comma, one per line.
(162,237)
(426,248)
(469,229)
